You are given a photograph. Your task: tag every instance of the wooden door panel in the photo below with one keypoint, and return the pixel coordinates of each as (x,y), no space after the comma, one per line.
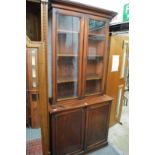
(115,78)
(35,116)
(97,122)
(68,132)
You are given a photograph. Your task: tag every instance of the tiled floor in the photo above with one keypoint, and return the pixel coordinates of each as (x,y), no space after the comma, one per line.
(32,134)
(107,150)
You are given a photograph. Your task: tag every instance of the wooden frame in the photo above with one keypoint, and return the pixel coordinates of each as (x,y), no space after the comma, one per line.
(44,38)
(43,104)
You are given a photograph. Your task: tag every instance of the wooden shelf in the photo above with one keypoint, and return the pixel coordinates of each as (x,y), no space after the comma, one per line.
(98,56)
(66,79)
(67,98)
(65,105)
(89,93)
(73,55)
(67,31)
(32,90)
(95,29)
(96,37)
(94,57)
(66,55)
(93,77)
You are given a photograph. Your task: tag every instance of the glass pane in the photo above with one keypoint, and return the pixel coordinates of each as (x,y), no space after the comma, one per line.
(68,44)
(33,72)
(96,45)
(67,56)
(34,67)
(119,96)
(96,26)
(93,86)
(124,59)
(34,56)
(68,35)
(67,90)
(34,84)
(69,23)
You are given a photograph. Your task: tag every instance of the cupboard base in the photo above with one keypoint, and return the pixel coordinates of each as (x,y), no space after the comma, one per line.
(79,128)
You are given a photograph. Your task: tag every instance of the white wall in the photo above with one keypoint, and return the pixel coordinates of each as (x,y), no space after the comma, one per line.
(113,5)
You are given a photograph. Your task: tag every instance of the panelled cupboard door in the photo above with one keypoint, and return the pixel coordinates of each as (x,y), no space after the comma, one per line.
(94,55)
(97,118)
(68,132)
(67,54)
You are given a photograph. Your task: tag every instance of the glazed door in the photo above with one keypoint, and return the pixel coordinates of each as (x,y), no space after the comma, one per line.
(118,57)
(67,55)
(96,30)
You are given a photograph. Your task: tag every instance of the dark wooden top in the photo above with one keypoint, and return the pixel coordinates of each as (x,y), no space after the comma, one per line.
(37,1)
(73,104)
(83,8)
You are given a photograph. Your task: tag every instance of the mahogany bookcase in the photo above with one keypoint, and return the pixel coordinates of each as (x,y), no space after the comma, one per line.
(80,110)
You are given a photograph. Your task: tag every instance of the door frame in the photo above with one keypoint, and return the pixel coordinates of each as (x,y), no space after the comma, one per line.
(43,98)
(121,85)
